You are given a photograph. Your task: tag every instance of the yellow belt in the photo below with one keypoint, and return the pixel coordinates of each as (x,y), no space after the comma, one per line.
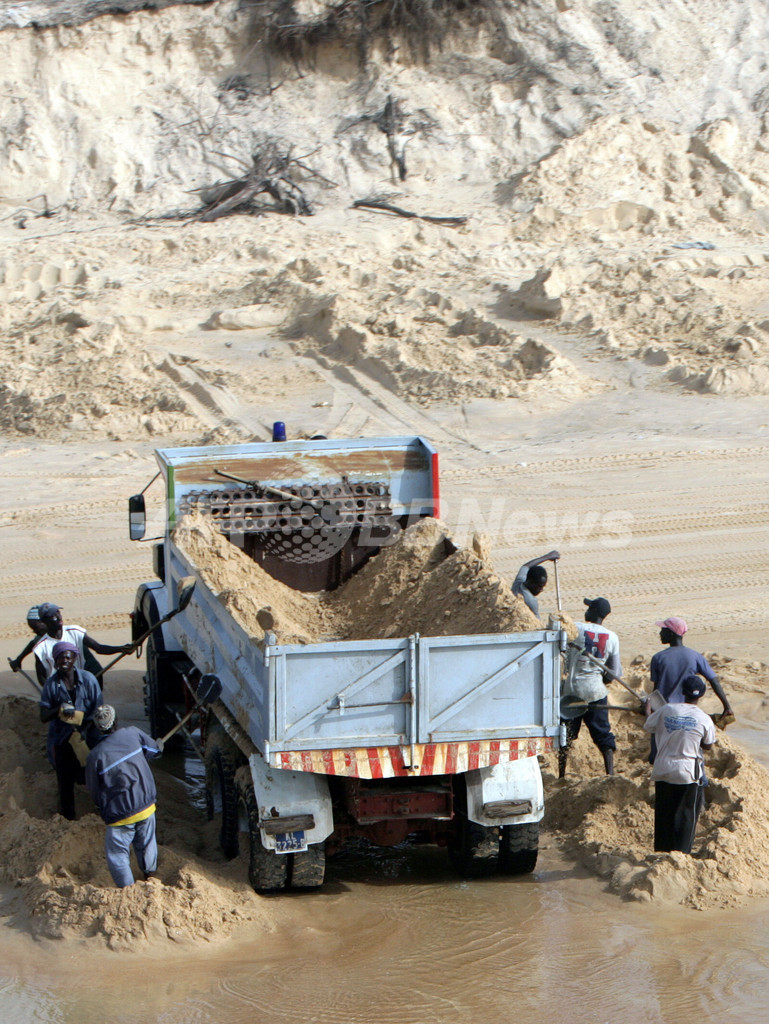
(135,817)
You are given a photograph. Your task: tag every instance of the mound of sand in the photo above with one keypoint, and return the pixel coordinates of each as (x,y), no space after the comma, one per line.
(60,869)
(423,347)
(421,584)
(64,374)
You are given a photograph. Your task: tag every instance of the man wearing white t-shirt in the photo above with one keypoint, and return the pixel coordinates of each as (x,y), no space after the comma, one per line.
(50,614)
(682,732)
(585,681)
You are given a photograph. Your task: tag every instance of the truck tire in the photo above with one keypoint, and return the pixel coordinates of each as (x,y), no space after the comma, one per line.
(221,791)
(267,870)
(474,851)
(156,692)
(518,848)
(308,869)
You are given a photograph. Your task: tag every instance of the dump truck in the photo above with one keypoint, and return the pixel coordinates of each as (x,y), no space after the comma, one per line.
(435,739)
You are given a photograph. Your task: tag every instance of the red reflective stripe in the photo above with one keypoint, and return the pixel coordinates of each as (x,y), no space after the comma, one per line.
(307,764)
(286,759)
(375,763)
(396,759)
(493,752)
(428,760)
(472,755)
(451,758)
(328,762)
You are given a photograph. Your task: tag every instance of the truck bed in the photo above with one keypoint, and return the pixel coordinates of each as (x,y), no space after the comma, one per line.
(413,705)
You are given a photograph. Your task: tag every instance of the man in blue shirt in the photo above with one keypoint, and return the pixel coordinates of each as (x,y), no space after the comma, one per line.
(670,667)
(68,701)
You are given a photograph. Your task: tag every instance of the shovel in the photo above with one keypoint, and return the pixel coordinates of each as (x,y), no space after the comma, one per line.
(557,585)
(573,707)
(642,698)
(207,692)
(28,677)
(186,587)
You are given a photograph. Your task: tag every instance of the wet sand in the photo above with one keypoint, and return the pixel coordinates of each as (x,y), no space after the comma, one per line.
(419,945)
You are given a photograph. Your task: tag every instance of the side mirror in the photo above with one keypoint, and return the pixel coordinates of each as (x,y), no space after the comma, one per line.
(137,517)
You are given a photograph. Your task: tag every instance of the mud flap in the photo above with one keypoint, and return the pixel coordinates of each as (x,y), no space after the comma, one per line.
(290,795)
(510,793)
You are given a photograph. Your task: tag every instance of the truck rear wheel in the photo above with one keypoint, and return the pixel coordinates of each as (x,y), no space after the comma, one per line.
(475,849)
(267,870)
(221,790)
(518,848)
(308,869)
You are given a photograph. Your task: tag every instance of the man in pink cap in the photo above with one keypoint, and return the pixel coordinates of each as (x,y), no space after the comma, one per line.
(671,666)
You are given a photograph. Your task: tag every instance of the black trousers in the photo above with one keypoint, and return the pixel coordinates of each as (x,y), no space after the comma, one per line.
(68,772)
(676,810)
(596,718)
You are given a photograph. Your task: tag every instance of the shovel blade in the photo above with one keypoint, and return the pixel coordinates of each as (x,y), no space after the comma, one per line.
(209,689)
(186,587)
(572,707)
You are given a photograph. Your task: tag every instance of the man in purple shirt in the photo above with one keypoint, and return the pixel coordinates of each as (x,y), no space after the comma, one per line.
(671,666)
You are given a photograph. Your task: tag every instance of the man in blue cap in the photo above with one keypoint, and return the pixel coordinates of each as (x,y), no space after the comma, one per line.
(68,701)
(39,629)
(682,731)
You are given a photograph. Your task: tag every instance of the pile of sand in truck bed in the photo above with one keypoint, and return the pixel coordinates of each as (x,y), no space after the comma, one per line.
(423,583)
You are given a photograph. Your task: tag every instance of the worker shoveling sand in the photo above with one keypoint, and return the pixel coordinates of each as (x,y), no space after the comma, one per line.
(607,822)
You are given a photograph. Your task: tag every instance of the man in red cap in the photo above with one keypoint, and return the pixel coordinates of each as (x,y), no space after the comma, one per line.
(68,701)
(670,667)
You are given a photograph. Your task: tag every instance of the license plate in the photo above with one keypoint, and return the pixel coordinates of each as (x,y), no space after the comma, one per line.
(291,842)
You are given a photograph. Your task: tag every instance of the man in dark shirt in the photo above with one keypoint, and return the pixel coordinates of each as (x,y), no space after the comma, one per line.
(67,702)
(121,783)
(670,667)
